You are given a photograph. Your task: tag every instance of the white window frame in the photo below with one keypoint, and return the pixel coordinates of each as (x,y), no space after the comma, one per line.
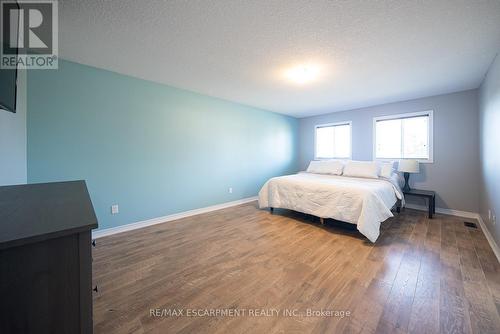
(406,115)
(328,125)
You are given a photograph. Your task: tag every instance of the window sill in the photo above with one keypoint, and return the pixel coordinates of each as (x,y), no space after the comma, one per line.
(422,161)
(334,158)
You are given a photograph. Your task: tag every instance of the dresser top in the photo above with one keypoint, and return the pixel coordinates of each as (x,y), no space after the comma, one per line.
(35,212)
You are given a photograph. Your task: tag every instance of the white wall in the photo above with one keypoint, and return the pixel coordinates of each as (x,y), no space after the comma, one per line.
(489,139)
(454,173)
(13,167)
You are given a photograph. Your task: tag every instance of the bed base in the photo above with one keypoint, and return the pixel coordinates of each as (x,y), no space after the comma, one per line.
(321,220)
(398,206)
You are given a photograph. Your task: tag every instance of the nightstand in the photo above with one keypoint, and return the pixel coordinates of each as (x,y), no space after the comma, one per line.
(429,194)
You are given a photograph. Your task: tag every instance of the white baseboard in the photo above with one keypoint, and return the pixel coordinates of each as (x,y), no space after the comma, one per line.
(175,216)
(465,214)
(489,237)
(458,213)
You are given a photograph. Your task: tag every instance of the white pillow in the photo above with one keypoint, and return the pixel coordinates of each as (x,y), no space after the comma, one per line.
(369,169)
(334,167)
(386,169)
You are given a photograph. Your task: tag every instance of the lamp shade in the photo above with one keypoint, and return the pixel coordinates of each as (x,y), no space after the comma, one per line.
(408,166)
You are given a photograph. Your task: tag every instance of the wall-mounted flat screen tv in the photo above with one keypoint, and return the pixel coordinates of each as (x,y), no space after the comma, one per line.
(8,88)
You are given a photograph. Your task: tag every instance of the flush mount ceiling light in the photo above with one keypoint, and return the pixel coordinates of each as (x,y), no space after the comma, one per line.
(302,74)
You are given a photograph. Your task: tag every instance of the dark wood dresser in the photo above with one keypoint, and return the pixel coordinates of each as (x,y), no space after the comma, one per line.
(45,258)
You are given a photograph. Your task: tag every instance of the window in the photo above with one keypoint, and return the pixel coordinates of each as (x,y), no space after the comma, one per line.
(333,141)
(405,136)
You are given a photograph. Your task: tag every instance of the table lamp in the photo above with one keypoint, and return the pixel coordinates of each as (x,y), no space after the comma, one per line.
(407,167)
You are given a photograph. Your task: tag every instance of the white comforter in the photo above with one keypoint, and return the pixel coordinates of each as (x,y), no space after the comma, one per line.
(360,201)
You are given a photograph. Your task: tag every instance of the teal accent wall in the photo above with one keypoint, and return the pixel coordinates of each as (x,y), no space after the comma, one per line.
(153,149)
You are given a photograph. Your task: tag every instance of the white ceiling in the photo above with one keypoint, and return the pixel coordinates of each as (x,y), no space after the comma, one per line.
(370,52)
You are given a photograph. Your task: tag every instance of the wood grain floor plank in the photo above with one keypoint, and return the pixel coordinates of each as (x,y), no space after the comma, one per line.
(453,307)
(421,276)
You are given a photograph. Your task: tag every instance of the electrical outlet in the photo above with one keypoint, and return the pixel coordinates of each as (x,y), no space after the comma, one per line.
(230,190)
(114,209)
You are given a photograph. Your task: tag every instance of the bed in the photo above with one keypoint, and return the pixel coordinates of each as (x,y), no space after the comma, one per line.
(365,202)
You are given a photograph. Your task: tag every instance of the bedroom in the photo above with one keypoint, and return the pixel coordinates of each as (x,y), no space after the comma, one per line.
(229,166)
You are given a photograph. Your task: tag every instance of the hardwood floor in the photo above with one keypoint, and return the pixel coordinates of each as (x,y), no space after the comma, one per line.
(422,276)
